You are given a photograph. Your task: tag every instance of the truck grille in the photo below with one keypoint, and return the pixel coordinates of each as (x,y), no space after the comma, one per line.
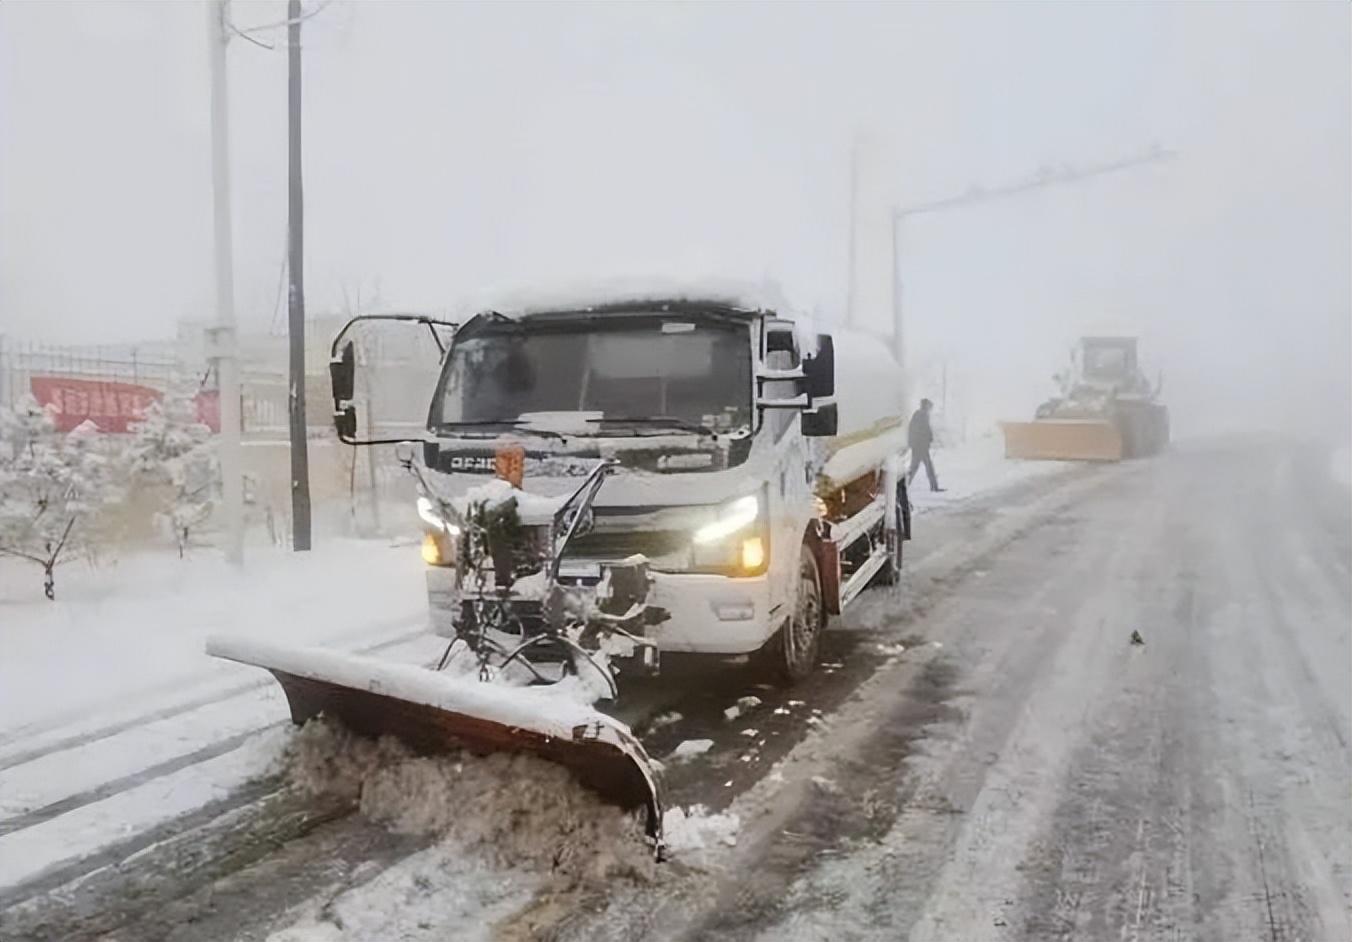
(606,544)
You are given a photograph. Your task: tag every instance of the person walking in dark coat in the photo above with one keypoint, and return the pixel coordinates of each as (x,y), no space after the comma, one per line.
(921,436)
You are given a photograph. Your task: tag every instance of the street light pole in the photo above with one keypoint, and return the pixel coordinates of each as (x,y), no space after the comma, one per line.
(300,459)
(221,345)
(976,194)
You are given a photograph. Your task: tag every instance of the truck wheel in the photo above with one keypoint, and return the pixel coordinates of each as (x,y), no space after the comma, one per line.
(791,654)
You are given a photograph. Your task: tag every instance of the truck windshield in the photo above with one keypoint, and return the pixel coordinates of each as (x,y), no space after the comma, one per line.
(633,377)
(1105,362)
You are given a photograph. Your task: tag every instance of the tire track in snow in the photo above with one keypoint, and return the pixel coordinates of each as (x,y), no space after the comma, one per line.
(177,709)
(116,853)
(91,896)
(868,738)
(115,786)
(1213,706)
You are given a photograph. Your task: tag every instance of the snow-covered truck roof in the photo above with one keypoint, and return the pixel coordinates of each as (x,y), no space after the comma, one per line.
(749,297)
(641,305)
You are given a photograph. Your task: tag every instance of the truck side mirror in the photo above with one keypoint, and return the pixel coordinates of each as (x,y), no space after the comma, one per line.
(342,372)
(391,343)
(345,424)
(821,422)
(820,369)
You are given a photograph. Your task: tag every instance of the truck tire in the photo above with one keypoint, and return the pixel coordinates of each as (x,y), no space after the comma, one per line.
(791,654)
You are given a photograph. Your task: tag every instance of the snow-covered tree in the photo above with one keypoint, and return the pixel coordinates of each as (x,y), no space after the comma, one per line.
(51,486)
(171,448)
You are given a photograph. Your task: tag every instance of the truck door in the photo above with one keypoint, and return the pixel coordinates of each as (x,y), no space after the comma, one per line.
(787,491)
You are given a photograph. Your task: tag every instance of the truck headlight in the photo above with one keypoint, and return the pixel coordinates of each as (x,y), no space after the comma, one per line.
(734,542)
(732,516)
(431,550)
(753,554)
(428,512)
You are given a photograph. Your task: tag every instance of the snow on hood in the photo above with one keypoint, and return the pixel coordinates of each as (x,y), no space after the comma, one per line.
(531,508)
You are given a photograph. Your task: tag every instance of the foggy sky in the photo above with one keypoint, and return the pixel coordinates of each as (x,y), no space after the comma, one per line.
(451,147)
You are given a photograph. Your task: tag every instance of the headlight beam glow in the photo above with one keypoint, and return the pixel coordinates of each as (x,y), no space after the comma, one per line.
(735,515)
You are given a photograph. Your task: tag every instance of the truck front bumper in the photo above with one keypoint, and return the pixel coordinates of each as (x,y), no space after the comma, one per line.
(709,614)
(713,614)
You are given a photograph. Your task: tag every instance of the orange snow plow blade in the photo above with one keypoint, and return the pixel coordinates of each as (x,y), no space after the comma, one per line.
(1063,440)
(433,712)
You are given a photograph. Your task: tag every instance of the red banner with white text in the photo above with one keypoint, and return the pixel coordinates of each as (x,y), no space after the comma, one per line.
(112,406)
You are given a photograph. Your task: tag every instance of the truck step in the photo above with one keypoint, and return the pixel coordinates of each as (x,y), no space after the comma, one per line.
(859,579)
(846,532)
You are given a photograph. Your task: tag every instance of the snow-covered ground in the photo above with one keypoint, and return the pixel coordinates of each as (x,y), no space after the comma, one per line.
(112,717)
(976,467)
(131,633)
(113,721)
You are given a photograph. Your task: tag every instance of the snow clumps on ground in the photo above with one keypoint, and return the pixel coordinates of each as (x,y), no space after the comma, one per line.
(696,829)
(515,811)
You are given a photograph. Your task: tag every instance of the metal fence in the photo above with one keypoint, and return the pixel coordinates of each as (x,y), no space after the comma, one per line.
(363,489)
(151,366)
(264,389)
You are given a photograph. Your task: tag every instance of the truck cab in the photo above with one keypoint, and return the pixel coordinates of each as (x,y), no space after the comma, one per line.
(703,405)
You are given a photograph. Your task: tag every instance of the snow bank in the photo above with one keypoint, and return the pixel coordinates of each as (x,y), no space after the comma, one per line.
(512,810)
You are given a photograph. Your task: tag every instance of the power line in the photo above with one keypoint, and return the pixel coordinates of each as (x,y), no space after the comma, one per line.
(246,34)
(290,21)
(1043,178)
(1046,177)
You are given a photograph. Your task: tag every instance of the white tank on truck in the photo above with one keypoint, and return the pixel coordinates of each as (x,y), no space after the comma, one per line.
(870,406)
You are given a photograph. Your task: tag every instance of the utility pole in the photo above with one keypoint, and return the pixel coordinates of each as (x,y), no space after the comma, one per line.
(221,345)
(300,461)
(976,194)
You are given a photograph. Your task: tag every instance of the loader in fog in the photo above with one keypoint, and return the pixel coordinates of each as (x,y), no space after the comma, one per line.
(1107,410)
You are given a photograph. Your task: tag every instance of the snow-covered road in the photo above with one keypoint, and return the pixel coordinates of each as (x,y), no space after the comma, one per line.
(984,755)
(1042,777)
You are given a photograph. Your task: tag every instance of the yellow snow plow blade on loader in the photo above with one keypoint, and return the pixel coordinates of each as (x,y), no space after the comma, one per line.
(1063,440)
(433,712)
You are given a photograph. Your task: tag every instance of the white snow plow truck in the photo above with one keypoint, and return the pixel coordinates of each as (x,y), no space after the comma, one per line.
(603,484)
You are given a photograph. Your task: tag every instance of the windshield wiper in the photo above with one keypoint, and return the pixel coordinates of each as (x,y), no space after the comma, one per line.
(661,421)
(509,423)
